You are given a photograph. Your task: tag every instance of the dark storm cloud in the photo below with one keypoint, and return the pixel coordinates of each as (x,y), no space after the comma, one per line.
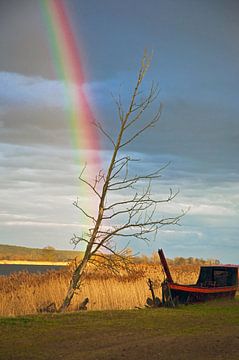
(34,125)
(23,43)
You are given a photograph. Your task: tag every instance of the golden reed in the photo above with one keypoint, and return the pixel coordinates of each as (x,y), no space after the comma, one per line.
(24,293)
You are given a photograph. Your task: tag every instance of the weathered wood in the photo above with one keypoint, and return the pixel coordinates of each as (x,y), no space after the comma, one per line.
(82,305)
(51,308)
(155,301)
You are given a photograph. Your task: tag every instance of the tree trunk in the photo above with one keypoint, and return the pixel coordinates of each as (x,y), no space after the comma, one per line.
(68,298)
(75,283)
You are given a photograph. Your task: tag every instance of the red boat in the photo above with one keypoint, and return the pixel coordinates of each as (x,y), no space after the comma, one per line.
(217,281)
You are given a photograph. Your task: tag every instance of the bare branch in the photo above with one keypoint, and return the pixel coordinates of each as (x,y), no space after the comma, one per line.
(154,175)
(119,106)
(120,166)
(100,127)
(75,203)
(148,125)
(144,228)
(93,187)
(141,107)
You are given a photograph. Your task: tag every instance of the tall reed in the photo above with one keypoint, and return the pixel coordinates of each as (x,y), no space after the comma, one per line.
(25,293)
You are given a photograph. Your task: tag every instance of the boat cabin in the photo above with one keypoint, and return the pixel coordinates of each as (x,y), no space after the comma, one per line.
(218,276)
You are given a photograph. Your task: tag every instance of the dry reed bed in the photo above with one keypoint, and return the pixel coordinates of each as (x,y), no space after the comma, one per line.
(24,293)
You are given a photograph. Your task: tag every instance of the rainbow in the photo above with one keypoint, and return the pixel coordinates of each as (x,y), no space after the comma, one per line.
(68,66)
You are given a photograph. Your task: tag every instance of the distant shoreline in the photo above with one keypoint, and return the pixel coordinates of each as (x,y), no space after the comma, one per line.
(29,262)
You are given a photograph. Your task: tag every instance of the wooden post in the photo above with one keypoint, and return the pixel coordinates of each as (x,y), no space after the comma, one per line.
(165,266)
(150,284)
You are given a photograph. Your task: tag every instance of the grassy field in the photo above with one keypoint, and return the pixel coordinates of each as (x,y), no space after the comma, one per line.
(11,252)
(205,331)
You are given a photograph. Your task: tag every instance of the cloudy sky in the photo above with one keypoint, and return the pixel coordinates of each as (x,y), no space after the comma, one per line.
(196,51)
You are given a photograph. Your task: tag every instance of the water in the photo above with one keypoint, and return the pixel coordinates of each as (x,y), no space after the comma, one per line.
(6,269)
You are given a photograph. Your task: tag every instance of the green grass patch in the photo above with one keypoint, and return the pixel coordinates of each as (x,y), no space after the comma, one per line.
(106,334)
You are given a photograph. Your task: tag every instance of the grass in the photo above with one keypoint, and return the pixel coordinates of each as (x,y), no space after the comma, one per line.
(204,331)
(12,252)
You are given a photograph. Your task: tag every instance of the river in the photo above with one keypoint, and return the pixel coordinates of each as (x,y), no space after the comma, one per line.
(6,269)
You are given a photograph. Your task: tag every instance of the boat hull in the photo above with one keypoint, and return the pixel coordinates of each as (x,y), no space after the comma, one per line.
(181,294)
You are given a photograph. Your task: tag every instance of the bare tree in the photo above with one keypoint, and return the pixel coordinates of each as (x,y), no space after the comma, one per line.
(137,207)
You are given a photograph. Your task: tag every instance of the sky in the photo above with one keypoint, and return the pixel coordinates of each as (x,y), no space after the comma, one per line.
(195,48)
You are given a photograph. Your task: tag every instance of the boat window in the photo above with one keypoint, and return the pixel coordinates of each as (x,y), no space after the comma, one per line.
(220,277)
(205,276)
(215,276)
(224,277)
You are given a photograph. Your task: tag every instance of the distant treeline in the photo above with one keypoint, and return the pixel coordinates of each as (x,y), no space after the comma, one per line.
(49,253)
(154,259)
(10,252)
